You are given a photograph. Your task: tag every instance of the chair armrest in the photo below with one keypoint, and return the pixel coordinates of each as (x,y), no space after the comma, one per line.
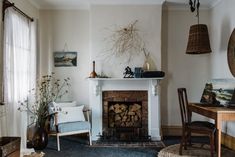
(87,111)
(56,118)
(52,121)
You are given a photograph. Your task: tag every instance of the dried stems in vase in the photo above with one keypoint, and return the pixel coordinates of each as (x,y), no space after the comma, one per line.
(47,89)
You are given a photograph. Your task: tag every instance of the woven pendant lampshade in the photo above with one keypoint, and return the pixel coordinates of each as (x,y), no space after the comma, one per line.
(198,40)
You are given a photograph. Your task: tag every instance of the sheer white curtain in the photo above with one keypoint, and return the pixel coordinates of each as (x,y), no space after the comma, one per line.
(19,76)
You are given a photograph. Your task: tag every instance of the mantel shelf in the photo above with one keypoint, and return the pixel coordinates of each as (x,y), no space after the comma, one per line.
(125,79)
(99,82)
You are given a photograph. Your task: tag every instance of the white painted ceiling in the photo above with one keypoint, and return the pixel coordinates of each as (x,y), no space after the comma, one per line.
(76,4)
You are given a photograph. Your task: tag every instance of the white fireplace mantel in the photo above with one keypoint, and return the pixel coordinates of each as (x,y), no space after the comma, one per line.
(98,85)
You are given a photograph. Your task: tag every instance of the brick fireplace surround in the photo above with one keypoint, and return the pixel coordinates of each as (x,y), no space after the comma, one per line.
(126,97)
(148,90)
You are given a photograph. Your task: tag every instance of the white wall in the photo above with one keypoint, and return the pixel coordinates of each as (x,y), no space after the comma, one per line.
(56,29)
(183,70)
(192,71)
(222,24)
(84,31)
(105,19)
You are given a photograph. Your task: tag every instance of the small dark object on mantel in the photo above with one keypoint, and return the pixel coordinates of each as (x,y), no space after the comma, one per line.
(128,73)
(153,74)
(2,103)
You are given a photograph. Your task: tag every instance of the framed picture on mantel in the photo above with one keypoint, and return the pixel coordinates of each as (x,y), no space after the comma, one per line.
(65,59)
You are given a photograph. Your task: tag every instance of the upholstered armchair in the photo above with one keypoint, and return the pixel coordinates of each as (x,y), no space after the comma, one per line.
(68,119)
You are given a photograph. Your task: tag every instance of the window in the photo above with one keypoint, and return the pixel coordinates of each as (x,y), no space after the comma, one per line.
(19,66)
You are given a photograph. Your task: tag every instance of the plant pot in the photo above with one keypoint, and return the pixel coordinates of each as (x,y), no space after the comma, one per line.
(40,139)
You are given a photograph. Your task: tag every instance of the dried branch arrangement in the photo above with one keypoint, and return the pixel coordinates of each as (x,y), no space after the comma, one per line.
(126,40)
(146,53)
(48,89)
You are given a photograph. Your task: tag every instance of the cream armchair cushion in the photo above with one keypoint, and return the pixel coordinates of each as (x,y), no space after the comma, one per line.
(71,114)
(68,112)
(64,104)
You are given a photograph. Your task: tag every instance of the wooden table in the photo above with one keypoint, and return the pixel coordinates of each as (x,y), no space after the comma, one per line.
(219,114)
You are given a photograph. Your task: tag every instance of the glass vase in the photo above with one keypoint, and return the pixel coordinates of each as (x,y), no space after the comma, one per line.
(146,65)
(40,138)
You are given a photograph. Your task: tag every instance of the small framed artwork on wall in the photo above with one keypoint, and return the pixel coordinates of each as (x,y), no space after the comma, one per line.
(65,59)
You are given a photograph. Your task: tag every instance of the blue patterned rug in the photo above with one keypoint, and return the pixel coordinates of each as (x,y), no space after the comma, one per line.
(75,147)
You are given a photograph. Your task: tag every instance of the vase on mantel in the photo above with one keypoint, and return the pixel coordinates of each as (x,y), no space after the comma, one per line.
(93,73)
(146,65)
(147,61)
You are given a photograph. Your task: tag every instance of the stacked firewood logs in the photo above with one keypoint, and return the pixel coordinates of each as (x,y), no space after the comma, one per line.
(125,115)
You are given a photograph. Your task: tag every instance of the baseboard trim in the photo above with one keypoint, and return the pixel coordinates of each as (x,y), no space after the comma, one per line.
(227,140)
(171,130)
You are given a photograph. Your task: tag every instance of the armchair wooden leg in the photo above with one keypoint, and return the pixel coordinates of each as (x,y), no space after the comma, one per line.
(58,142)
(90,138)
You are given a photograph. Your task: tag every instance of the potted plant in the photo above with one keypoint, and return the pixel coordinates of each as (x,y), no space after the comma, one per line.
(47,90)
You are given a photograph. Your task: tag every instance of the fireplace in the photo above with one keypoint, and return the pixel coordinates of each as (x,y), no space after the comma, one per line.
(103,91)
(125,114)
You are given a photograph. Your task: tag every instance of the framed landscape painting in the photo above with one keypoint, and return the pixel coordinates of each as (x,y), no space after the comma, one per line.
(65,59)
(219,91)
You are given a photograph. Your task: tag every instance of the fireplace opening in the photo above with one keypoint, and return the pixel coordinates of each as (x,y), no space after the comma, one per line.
(124,114)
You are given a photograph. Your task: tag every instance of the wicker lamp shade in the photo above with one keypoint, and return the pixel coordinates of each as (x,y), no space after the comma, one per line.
(198,40)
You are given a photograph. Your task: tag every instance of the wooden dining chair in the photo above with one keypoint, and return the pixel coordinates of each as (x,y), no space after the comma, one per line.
(188,126)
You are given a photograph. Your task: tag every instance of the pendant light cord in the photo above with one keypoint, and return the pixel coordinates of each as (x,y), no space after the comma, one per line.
(195,4)
(198,5)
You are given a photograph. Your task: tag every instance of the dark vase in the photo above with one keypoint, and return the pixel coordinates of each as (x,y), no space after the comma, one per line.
(40,139)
